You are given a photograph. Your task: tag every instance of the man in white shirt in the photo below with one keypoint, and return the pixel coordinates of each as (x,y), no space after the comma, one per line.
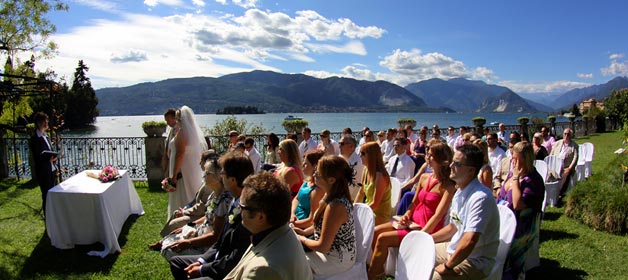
(502,135)
(363,139)
(347,151)
(495,153)
(411,135)
(401,166)
(308,143)
(251,152)
(451,136)
(387,146)
(466,247)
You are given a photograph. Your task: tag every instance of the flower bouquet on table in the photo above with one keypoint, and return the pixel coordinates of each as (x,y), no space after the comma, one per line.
(109,173)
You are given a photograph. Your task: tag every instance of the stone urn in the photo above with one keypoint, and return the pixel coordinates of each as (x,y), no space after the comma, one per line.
(154,129)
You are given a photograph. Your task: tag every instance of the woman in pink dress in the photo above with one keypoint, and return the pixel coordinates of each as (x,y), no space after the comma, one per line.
(290,169)
(427,211)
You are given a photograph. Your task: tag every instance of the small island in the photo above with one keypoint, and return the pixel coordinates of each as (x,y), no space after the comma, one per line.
(239,110)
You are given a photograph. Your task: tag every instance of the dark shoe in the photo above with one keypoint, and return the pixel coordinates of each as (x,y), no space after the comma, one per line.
(155,246)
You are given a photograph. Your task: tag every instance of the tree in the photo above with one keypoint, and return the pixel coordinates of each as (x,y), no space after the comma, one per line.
(81,101)
(24,28)
(616,105)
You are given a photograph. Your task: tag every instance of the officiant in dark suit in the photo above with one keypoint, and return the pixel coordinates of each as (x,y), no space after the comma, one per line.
(44,157)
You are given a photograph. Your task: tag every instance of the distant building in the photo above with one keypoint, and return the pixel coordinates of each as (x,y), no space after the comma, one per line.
(588,103)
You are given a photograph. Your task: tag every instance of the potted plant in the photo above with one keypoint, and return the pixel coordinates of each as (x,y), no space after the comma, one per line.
(154,128)
(406,121)
(551,119)
(478,121)
(523,120)
(294,126)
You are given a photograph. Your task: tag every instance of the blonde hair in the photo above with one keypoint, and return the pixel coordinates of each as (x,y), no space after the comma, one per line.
(291,149)
(526,151)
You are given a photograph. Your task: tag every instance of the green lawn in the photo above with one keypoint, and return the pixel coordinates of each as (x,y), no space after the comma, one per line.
(569,250)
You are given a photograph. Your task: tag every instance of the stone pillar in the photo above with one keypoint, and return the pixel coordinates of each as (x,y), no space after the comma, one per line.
(154,152)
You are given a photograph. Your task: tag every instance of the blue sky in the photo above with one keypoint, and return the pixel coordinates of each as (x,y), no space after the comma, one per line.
(530,46)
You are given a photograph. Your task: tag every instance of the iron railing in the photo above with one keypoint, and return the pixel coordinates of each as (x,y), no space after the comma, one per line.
(129,153)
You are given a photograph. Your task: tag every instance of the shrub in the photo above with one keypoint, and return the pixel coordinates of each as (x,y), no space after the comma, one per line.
(405,121)
(294,126)
(220,141)
(601,201)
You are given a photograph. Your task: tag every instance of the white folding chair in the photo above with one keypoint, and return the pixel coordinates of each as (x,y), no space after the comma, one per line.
(417,255)
(541,167)
(580,166)
(588,159)
(364,222)
(507,226)
(554,169)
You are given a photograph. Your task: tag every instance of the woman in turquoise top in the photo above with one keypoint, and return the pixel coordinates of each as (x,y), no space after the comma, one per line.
(306,203)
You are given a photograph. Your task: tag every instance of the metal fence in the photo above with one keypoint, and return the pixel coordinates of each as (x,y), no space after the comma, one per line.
(78,154)
(129,153)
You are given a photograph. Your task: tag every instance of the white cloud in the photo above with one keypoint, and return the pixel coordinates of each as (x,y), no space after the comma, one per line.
(223,2)
(199,3)
(616,56)
(129,56)
(245,3)
(421,67)
(154,3)
(353,47)
(617,67)
(549,86)
(585,75)
(101,5)
(483,73)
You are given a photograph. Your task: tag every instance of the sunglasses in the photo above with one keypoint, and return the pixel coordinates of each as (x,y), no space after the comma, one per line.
(341,143)
(457,163)
(396,145)
(362,154)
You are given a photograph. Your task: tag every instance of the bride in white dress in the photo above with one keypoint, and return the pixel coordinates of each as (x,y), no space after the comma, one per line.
(184,151)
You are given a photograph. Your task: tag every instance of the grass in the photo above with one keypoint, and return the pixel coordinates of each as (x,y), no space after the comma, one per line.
(569,249)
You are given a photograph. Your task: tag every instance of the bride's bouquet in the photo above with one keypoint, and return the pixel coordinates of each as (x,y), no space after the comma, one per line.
(109,173)
(168,185)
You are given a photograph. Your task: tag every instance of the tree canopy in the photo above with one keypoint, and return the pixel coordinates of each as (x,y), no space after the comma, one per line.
(616,105)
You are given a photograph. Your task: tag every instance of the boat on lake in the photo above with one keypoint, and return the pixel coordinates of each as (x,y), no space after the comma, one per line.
(292,118)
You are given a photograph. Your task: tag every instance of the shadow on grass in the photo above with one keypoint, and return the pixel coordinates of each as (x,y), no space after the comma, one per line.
(48,260)
(550,269)
(551,216)
(547,235)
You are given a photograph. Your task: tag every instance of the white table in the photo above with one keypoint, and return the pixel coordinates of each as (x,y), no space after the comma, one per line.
(82,210)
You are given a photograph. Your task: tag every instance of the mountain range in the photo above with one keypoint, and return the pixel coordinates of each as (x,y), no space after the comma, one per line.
(277,92)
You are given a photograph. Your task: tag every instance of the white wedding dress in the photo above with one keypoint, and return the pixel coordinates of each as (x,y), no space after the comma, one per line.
(188,185)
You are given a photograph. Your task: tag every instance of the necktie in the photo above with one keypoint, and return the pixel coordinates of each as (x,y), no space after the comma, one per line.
(394,170)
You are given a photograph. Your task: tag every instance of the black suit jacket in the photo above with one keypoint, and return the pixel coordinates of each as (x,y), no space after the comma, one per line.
(233,242)
(43,166)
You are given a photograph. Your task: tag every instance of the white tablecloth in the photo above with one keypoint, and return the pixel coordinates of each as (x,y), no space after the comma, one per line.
(82,210)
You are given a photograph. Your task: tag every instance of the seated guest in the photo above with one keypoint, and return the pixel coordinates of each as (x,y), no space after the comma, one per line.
(251,152)
(504,166)
(523,193)
(195,209)
(400,166)
(568,150)
(408,188)
(235,238)
(381,137)
(325,145)
(290,169)
(275,251)
(427,211)
(548,140)
(194,240)
(308,142)
(539,150)
(233,139)
(375,191)
(332,249)
(347,152)
(272,157)
(466,247)
(418,148)
(486,172)
(387,146)
(305,204)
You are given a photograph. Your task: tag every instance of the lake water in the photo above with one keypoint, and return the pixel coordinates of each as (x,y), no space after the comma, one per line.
(131,126)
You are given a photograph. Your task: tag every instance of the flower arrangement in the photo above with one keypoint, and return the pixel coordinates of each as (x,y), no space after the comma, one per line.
(109,173)
(234,214)
(168,185)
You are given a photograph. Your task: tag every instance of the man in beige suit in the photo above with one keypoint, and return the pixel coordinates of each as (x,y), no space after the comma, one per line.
(275,252)
(568,150)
